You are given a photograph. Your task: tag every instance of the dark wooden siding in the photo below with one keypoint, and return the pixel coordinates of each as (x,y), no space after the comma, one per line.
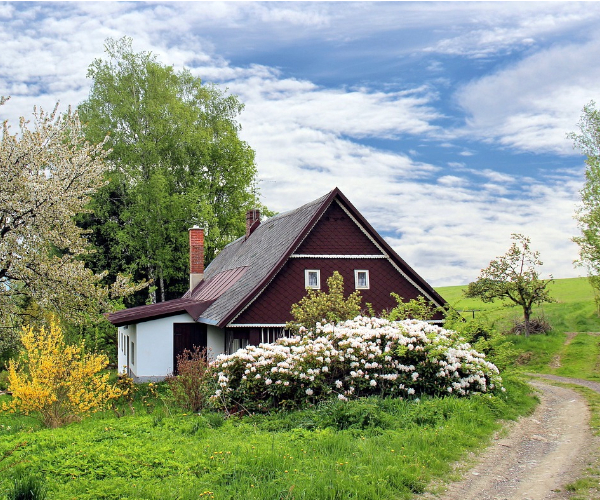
(337,234)
(273,305)
(187,336)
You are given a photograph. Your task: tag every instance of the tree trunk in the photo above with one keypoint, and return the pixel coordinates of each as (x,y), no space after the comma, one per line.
(152,287)
(162,286)
(527,314)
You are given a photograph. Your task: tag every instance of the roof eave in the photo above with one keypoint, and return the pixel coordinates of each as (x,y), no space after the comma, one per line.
(150,312)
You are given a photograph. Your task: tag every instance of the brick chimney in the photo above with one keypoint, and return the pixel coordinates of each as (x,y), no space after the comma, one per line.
(252,221)
(196,256)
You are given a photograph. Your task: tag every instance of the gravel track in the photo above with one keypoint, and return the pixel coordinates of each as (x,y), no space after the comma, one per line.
(539,455)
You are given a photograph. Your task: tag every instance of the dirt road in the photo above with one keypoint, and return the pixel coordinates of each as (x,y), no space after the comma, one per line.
(539,455)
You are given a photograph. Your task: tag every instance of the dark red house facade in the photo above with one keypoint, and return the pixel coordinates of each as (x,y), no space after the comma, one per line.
(246,293)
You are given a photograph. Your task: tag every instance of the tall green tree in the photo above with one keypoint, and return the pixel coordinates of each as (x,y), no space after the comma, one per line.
(588,214)
(513,276)
(176,159)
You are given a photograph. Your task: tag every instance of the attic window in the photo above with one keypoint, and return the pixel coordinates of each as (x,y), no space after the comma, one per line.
(361,280)
(312,279)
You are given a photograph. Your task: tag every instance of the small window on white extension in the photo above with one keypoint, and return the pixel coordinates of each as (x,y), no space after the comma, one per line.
(312,279)
(361,280)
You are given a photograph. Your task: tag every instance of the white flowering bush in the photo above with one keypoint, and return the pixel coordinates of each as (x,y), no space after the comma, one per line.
(355,358)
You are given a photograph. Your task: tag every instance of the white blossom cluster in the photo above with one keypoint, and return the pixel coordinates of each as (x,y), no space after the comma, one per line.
(359,357)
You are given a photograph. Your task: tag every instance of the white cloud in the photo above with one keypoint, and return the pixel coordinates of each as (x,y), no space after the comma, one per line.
(534,103)
(496,177)
(6,10)
(357,113)
(451,181)
(495,28)
(294,14)
(310,138)
(449,241)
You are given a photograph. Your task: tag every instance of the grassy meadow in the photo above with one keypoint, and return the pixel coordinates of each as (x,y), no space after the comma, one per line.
(366,449)
(573,312)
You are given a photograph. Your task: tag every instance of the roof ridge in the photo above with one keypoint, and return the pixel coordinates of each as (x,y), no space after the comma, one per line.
(317,207)
(281,215)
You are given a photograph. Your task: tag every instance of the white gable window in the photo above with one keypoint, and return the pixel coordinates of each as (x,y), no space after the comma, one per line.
(361,280)
(312,278)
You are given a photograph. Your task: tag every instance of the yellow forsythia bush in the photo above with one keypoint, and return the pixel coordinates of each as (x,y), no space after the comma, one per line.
(58,381)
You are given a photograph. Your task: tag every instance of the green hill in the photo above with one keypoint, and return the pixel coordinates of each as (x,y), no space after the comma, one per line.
(573,311)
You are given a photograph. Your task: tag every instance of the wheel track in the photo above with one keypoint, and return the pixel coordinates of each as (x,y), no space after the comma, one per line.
(539,455)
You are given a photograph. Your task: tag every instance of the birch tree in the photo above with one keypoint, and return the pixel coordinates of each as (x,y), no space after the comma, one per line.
(176,160)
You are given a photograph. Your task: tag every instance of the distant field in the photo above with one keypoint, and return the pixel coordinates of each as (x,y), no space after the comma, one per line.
(574,311)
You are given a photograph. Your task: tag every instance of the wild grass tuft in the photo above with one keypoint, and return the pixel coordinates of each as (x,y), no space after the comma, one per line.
(26,487)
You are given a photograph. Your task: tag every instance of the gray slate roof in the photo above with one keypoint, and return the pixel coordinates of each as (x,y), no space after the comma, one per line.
(238,272)
(245,267)
(270,242)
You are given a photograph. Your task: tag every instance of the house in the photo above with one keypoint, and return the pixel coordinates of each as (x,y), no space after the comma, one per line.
(244,296)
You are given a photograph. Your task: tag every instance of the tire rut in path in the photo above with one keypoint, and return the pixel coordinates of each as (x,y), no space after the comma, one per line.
(539,456)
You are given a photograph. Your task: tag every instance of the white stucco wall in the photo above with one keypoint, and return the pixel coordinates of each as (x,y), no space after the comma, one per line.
(153,346)
(120,356)
(215,341)
(126,334)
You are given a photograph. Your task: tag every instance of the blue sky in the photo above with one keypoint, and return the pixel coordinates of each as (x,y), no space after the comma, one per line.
(444,123)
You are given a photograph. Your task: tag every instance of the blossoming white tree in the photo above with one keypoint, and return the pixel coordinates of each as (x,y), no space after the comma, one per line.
(514,277)
(48,174)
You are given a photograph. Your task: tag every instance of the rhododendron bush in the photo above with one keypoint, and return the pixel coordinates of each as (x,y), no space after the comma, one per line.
(359,357)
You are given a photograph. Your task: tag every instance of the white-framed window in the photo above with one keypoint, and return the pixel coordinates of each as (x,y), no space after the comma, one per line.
(270,335)
(312,278)
(132,353)
(361,279)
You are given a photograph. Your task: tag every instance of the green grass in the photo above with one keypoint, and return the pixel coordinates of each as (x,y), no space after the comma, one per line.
(537,352)
(367,449)
(574,311)
(580,358)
